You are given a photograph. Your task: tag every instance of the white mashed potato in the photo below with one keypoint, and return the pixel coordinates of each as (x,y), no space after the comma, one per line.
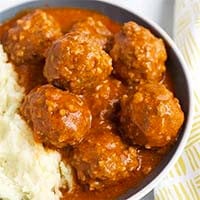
(27,170)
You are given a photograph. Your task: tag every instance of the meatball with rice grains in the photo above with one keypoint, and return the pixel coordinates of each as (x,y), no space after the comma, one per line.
(151,116)
(96,30)
(102,159)
(75,64)
(28,40)
(138,55)
(57,117)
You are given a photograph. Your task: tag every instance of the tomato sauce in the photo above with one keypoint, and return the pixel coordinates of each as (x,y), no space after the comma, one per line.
(31,76)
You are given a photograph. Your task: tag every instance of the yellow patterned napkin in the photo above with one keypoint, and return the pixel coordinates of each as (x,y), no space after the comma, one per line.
(183,181)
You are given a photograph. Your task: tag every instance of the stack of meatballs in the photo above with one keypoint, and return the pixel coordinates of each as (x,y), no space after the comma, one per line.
(104,96)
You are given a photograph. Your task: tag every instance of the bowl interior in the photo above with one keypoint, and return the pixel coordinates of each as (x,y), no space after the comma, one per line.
(173,63)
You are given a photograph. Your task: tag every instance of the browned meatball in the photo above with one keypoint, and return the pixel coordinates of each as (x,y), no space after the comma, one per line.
(97,31)
(31,36)
(73,63)
(102,159)
(152,116)
(103,100)
(57,117)
(138,54)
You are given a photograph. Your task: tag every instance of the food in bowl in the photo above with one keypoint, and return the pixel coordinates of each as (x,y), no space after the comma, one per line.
(96,95)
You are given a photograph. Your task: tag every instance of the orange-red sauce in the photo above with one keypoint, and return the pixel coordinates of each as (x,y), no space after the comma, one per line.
(31,76)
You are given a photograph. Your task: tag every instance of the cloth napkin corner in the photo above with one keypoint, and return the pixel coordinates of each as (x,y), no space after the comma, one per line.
(183,180)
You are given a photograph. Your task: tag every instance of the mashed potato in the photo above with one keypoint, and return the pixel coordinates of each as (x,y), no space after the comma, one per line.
(27,170)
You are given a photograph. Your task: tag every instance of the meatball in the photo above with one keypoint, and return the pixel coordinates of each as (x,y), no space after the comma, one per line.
(57,117)
(30,37)
(103,101)
(72,63)
(151,116)
(97,31)
(138,54)
(102,159)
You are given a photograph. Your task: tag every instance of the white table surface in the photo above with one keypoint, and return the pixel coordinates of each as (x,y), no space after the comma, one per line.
(160,11)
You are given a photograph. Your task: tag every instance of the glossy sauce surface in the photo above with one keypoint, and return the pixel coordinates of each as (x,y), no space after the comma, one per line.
(31,76)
